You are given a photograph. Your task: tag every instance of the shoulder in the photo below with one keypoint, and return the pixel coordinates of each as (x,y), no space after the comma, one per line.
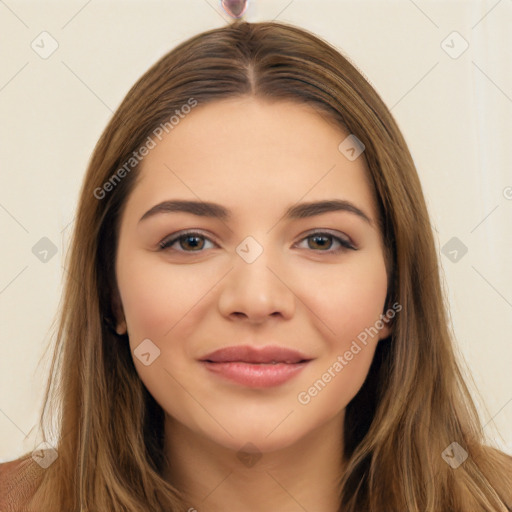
(18,481)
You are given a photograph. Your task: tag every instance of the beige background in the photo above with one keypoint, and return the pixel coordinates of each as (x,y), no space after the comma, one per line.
(455,113)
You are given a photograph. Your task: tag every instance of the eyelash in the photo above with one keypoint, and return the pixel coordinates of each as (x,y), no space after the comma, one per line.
(345,245)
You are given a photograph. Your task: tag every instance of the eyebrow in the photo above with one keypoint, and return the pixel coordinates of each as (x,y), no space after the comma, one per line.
(217,211)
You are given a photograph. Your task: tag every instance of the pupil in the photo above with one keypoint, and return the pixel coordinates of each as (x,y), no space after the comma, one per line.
(321,237)
(318,240)
(192,237)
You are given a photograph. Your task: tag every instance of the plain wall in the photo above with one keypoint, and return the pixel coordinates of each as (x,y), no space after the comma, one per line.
(455,113)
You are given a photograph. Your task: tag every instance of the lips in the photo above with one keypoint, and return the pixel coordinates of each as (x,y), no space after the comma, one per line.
(249,354)
(255,367)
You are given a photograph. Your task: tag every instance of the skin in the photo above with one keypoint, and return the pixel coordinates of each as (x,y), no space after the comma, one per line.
(257,159)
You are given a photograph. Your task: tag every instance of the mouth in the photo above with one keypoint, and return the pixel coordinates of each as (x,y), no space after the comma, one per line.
(256,355)
(256,367)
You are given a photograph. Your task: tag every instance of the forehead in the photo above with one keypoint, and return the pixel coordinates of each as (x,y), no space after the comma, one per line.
(247,153)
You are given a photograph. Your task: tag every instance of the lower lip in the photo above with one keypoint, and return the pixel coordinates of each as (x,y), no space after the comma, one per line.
(256,375)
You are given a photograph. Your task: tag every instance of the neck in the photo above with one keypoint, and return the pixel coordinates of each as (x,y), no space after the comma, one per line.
(302,476)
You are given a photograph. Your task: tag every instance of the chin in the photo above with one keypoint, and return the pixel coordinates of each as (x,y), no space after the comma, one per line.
(248,441)
(266,432)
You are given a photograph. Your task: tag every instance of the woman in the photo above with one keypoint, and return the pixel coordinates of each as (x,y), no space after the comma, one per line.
(253,317)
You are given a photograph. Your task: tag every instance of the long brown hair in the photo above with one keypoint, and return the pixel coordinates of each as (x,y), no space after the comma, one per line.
(415,401)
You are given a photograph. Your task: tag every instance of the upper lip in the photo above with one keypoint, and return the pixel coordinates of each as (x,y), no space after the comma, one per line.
(250,354)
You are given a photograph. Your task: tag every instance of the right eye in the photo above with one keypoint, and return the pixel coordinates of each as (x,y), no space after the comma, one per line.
(190,238)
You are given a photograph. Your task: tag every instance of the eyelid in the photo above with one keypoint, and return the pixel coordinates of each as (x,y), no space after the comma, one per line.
(344,240)
(345,243)
(172,239)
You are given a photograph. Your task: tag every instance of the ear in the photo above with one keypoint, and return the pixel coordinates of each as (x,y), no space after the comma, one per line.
(386,330)
(117,308)
(388,317)
(388,325)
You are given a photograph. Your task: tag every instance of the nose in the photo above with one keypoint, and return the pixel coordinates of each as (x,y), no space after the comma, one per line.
(255,292)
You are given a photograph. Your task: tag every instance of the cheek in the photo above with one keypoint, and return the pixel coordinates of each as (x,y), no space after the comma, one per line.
(351,309)
(158,304)
(158,298)
(349,301)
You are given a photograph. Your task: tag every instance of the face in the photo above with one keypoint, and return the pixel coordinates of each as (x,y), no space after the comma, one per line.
(309,281)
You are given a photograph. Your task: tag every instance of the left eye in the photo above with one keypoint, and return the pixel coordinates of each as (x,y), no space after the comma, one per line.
(319,239)
(193,240)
